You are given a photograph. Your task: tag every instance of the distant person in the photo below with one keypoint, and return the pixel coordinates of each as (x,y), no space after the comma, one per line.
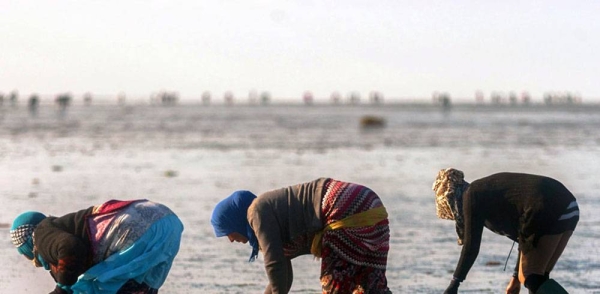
(63,101)
(13,97)
(33,105)
(87,99)
(344,224)
(536,211)
(228,97)
(116,247)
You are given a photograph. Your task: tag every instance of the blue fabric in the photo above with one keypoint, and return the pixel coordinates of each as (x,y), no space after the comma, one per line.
(27,248)
(42,262)
(64,287)
(27,218)
(230,215)
(148,261)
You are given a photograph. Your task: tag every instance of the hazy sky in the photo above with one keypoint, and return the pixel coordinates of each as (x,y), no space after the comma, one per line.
(400,48)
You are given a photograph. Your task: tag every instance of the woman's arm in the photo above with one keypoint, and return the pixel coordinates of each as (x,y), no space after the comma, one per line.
(514,285)
(67,255)
(469,251)
(474,220)
(269,289)
(516,270)
(277,266)
(72,256)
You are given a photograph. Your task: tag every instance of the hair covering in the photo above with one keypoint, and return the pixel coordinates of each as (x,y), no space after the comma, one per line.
(445,185)
(21,232)
(230,215)
(449,187)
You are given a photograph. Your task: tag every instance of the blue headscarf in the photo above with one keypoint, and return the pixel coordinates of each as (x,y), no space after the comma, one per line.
(230,215)
(21,232)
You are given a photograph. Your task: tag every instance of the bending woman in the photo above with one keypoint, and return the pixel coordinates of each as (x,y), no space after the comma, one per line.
(344,224)
(536,211)
(116,247)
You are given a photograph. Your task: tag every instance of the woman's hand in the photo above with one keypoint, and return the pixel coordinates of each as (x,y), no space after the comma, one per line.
(514,286)
(453,287)
(59,290)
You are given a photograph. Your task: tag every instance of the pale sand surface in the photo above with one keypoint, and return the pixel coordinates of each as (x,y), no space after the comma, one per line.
(423,248)
(189,158)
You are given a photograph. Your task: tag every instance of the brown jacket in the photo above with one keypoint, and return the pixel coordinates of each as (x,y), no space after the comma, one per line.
(279,216)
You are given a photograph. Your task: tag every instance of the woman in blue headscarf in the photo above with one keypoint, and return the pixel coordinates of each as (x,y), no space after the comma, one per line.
(116,247)
(343,224)
(229,219)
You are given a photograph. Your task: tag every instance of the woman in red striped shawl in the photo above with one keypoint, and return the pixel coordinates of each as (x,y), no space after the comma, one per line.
(344,224)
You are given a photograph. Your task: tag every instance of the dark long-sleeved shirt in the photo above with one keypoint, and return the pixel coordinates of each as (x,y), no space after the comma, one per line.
(522,207)
(64,243)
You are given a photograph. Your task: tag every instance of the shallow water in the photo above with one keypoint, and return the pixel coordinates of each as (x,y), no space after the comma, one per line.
(191,156)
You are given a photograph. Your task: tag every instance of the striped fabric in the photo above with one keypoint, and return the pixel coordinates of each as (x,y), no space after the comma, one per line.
(364,246)
(571,211)
(366,218)
(20,235)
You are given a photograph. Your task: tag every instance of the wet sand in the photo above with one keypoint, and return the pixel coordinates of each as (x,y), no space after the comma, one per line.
(40,170)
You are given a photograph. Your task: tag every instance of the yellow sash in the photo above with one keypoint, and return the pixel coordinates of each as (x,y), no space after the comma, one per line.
(363,219)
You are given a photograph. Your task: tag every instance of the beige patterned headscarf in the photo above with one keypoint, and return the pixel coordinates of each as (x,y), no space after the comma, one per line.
(445,184)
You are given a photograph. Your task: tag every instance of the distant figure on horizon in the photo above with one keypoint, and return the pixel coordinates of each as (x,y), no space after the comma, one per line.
(206,98)
(479,97)
(116,247)
(536,211)
(252,97)
(335,98)
(354,98)
(497,98)
(308,98)
(34,103)
(63,101)
(265,98)
(525,98)
(87,99)
(121,98)
(168,98)
(375,97)
(512,98)
(228,97)
(343,224)
(13,97)
(561,98)
(442,99)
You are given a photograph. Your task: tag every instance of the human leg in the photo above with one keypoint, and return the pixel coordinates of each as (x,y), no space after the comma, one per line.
(560,247)
(340,276)
(536,265)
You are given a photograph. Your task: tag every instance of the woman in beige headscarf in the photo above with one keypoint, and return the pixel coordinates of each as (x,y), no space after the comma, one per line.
(536,211)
